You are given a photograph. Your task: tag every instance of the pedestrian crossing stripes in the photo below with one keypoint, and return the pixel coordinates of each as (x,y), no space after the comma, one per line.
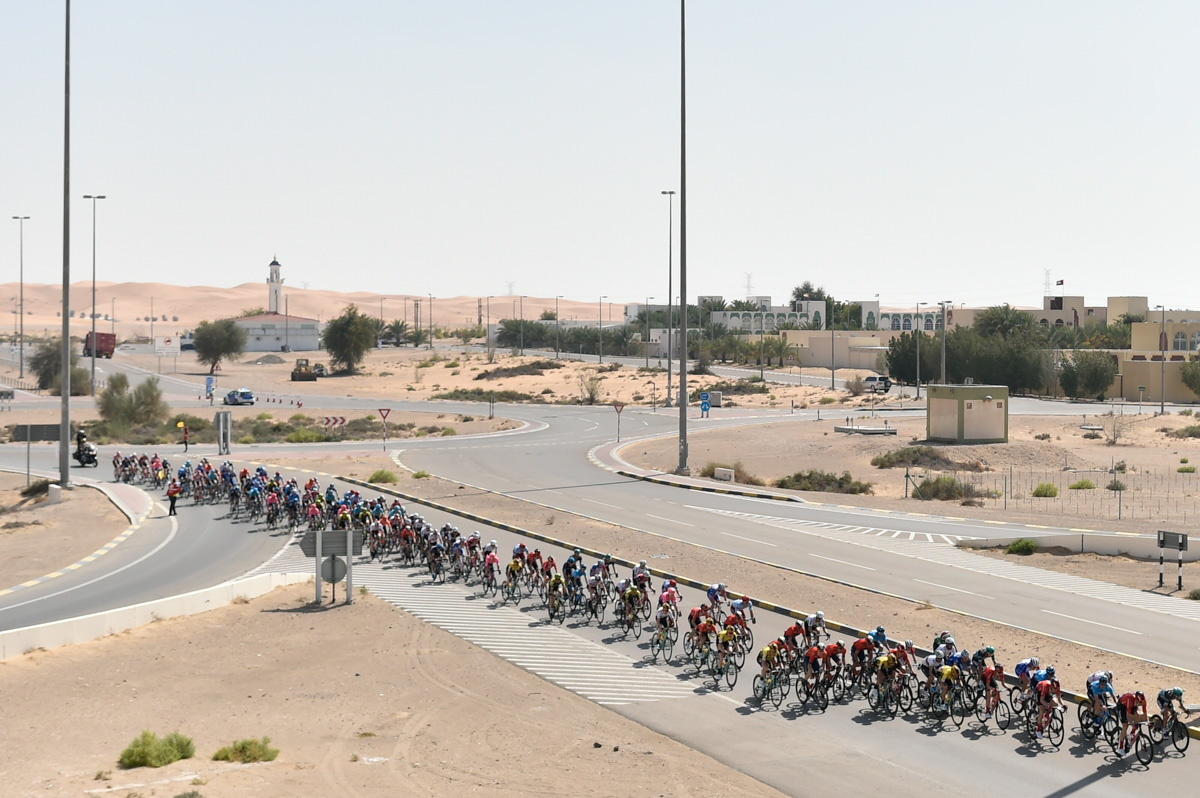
(898,534)
(950,555)
(593,670)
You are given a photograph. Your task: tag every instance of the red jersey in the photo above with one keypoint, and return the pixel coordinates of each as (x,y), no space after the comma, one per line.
(695,615)
(1132,703)
(706,628)
(833,650)
(813,654)
(1047,686)
(864,644)
(992,672)
(795,630)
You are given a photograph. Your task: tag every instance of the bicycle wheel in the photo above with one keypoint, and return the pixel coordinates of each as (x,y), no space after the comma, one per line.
(747,638)
(1155,726)
(958,707)
(668,648)
(981,710)
(673,632)
(1112,729)
(689,645)
(1056,731)
(731,675)
(637,626)
(837,688)
(759,687)
(1179,737)
(803,691)
(739,656)
(1003,715)
(645,610)
(1144,748)
(905,697)
(1087,722)
(873,697)
(777,691)
(891,702)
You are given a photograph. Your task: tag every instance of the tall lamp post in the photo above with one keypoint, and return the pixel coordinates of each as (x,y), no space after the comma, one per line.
(600,327)
(670,286)
(945,323)
(92,348)
(431,322)
(646,343)
(64,422)
(522,325)
(683,320)
(487,331)
(557,325)
(1162,345)
(920,330)
(21,221)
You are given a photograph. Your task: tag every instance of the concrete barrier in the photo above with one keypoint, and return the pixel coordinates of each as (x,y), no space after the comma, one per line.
(723,474)
(101,624)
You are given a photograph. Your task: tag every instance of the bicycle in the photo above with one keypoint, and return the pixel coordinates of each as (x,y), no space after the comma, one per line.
(489,582)
(512,590)
(631,621)
(1141,743)
(1109,724)
(556,606)
(597,603)
(885,699)
(727,669)
(1051,718)
(662,643)
(772,688)
(1176,731)
(999,708)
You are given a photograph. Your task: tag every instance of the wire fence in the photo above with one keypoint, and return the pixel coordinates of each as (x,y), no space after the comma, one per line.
(1120,495)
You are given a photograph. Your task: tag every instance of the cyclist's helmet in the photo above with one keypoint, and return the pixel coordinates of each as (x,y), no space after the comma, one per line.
(820,615)
(642,563)
(746,599)
(991,652)
(841,644)
(908,645)
(1033,662)
(537,551)
(720,585)
(493,543)
(707,619)
(950,642)
(880,629)
(1049,671)
(1109,674)
(672,583)
(939,657)
(1179,692)
(1103,679)
(578,552)
(1139,695)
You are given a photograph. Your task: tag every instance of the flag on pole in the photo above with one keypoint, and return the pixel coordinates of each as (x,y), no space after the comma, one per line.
(1060,282)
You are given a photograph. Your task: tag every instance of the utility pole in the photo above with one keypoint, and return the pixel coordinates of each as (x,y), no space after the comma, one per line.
(683,320)
(670,286)
(21,222)
(945,323)
(64,426)
(919,330)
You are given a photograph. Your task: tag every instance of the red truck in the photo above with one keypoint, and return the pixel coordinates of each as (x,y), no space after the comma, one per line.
(105,343)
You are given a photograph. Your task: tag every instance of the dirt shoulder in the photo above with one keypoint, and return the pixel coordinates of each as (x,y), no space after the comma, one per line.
(385,705)
(38,538)
(1120,570)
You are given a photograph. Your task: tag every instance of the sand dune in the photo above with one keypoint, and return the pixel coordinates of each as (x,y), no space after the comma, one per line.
(186,306)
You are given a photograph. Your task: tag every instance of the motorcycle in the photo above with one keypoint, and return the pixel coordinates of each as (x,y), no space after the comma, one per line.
(86,455)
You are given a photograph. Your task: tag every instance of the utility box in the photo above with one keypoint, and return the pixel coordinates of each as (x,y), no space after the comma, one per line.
(967,414)
(723,474)
(714,398)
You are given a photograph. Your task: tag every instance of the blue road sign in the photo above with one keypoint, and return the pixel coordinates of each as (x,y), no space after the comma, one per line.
(704,396)
(705,407)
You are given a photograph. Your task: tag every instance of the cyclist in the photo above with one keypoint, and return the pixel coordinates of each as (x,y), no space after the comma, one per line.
(534,561)
(992,680)
(554,591)
(633,597)
(695,616)
(905,655)
(861,649)
(947,647)
(931,665)
(1166,704)
(1099,685)
(947,676)
(739,607)
(980,657)
(1049,696)
(664,618)
(491,563)
(1025,670)
(641,574)
(885,668)
(832,655)
(704,633)
(814,625)
(879,637)
(435,557)
(726,640)
(549,567)
(716,592)
(767,657)
(669,599)
(814,657)
(513,571)
(1132,707)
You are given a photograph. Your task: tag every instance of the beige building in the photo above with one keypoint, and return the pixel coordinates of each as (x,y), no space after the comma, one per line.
(852,349)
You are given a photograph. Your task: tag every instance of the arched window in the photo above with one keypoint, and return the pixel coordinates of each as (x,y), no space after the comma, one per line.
(907,323)
(1181,341)
(895,322)
(928,325)
(937,324)
(1045,323)
(870,320)
(1058,322)
(1195,341)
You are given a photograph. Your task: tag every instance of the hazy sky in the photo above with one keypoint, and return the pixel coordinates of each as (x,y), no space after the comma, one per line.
(919,150)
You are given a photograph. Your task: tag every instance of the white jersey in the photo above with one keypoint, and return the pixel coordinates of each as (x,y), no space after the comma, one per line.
(932,661)
(1096,677)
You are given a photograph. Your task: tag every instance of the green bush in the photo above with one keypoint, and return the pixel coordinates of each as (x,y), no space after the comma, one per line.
(946,488)
(383,476)
(1183,459)
(448,431)
(148,750)
(264,416)
(734,388)
(1192,431)
(1116,484)
(1092,435)
(535,368)
(1022,546)
(1044,436)
(38,487)
(297,418)
(1186,469)
(827,400)
(1083,484)
(1194,594)
(248,750)
(422,474)
(483,395)
(305,435)
(823,481)
(923,457)
(1046,490)
(740,474)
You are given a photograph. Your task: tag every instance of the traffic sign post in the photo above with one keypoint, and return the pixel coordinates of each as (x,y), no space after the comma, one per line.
(1141,395)
(326,547)
(704,408)
(618,406)
(383,413)
(1171,540)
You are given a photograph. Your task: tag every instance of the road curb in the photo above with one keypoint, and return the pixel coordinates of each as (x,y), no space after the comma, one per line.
(705,488)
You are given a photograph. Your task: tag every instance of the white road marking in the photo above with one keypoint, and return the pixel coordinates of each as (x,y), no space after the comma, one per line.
(955,589)
(669,520)
(843,562)
(752,540)
(1096,623)
(604,504)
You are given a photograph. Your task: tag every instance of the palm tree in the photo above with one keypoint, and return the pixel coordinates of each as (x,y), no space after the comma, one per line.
(397,332)
(774,346)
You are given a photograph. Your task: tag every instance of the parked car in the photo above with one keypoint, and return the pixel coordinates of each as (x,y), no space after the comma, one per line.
(877,383)
(241,396)
(319,370)
(187,346)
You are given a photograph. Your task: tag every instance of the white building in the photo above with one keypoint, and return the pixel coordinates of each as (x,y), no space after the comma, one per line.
(275,330)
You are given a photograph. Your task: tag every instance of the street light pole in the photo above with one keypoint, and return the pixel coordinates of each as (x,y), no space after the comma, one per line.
(64,424)
(487,332)
(557,325)
(761,365)
(646,343)
(522,325)
(21,222)
(683,320)
(945,323)
(92,348)
(430,322)
(600,327)
(670,286)
(920,331)
(1162,344)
